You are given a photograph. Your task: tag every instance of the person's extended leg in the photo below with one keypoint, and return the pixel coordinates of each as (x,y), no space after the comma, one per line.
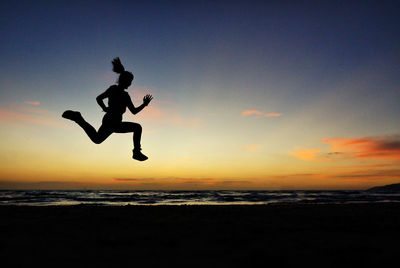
(125,127)
(96,136)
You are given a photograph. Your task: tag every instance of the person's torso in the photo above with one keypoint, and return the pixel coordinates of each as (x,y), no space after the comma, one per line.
(117,100)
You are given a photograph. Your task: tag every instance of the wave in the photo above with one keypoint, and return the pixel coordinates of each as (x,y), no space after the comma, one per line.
(54,197)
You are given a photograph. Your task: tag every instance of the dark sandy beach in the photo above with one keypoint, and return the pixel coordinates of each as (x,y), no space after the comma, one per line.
(351,235)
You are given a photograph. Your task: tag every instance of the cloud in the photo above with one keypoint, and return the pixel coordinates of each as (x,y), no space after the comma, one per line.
(35,103)
(384,147)
(300,175)
(380,147)
(305,154)
(11,117)
(250,112)
(259,113)
(391,173)
(273,115)
(126,179)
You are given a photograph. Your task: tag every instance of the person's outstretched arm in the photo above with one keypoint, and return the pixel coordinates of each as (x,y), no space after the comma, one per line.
(100,99)
(146,100)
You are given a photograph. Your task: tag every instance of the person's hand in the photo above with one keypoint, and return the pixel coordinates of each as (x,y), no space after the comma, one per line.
(106,109)
(147,99)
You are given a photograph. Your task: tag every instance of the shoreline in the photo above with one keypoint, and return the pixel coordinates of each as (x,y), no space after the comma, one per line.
(199,204)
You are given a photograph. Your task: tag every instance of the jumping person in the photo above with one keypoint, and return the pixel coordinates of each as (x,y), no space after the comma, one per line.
(118,100)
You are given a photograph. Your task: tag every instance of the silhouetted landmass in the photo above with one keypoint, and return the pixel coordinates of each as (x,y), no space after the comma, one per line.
(335,235)
(386,188)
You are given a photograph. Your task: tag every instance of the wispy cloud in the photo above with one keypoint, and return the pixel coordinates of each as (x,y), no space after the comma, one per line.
(300,175)
(126,179)
(273,115)
(391,173)
(384,147)
(18,113)
(259,113)
(35,103)
(250,112)
(380,147)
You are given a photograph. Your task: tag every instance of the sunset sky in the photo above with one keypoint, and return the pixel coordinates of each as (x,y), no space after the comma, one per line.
(247,95)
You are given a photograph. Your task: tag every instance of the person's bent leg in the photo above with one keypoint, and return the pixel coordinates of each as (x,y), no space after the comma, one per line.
(136,128)
(126,127)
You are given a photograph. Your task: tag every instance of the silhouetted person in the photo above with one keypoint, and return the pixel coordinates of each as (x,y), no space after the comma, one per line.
(118,100)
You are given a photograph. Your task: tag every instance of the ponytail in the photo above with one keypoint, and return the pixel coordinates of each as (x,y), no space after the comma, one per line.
(117,66)
(124,76)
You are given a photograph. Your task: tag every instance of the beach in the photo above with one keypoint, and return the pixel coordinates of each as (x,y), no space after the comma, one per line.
(288,235)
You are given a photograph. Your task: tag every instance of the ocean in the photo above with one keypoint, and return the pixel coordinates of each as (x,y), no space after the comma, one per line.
(121,198)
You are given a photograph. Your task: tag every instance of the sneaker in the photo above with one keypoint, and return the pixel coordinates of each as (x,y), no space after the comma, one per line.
(139,156)
(71,115)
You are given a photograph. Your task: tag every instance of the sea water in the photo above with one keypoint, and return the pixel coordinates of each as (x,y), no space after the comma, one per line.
(59,197)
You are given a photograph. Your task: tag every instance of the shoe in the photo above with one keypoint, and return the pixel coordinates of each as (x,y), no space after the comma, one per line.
(71,115)
(138,155)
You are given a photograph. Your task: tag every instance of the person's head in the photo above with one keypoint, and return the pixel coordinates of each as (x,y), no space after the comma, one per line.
(125,78)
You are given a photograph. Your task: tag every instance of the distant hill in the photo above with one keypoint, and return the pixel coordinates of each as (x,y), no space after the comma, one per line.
(386,188)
